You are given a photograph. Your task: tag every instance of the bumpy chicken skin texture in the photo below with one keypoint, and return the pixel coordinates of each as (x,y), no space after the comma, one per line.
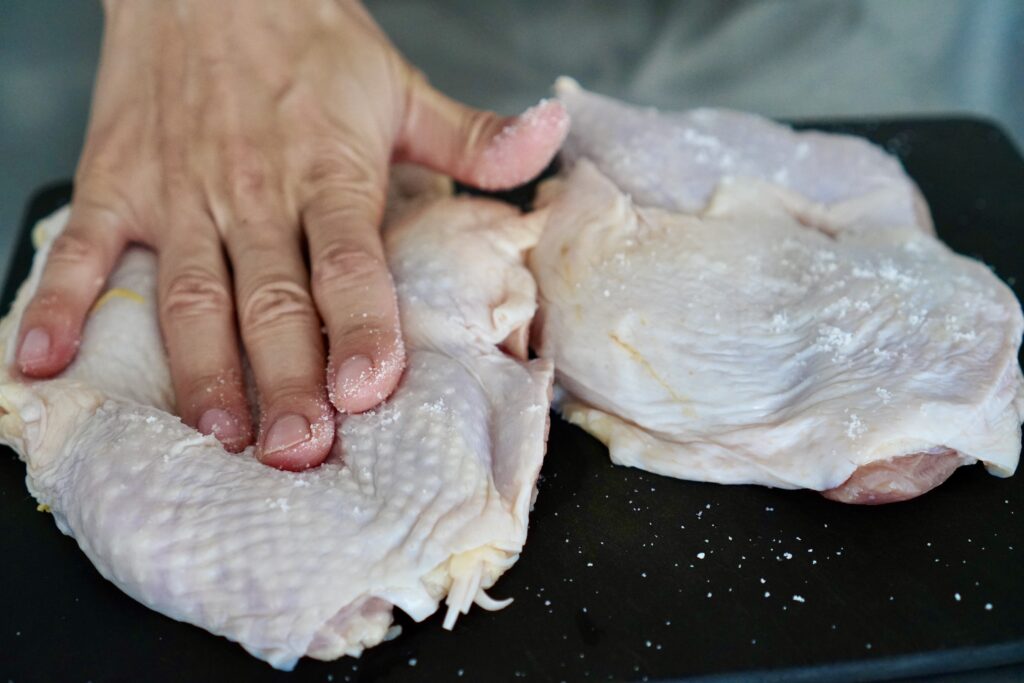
(424,497)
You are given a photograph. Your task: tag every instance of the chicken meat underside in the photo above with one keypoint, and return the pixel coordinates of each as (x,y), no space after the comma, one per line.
(728,300)
(424,497)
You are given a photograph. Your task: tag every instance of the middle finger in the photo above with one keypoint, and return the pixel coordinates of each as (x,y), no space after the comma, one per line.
(282,337)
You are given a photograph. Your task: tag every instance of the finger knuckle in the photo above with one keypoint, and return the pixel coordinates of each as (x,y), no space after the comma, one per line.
(73,249)
(340,171)
(340,267)
(343,166)
(350,207)
(275,303)
(110,154)
(193,293)
(103,197)
(246,170)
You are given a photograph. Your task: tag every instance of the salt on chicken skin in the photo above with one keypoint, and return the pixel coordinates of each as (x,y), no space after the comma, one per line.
(423,499)
(726,299)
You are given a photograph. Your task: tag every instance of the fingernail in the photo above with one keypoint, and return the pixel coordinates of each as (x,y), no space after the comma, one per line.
(35,347)
(352,375)
(288,431)
(221,424)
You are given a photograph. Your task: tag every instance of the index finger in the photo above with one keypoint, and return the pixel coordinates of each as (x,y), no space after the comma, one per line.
(355,296)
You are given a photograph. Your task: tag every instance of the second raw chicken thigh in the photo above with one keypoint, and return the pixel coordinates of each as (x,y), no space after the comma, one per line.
(728,300)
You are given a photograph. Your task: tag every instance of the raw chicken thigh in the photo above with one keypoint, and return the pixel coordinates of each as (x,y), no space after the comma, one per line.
(728,300)
(677,160)
(424,497)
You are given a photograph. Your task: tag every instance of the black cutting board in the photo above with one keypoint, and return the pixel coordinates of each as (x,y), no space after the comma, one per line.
(627,575)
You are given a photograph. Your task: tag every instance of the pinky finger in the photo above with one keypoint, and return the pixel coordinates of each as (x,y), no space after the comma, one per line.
(79,262)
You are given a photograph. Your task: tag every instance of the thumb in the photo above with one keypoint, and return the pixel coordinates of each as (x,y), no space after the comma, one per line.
(478,147)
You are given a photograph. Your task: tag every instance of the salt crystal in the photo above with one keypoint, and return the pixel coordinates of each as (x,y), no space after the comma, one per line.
(855,427)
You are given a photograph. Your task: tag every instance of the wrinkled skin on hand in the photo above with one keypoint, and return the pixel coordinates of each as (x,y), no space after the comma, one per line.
(230,137)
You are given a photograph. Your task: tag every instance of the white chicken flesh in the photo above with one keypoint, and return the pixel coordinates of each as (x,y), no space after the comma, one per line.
(728,300)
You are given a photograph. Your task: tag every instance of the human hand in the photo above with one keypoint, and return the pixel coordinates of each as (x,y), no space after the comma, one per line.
(228,137)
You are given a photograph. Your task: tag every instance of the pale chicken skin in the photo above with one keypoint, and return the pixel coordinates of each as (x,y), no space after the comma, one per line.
(746,309)
(424,497)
